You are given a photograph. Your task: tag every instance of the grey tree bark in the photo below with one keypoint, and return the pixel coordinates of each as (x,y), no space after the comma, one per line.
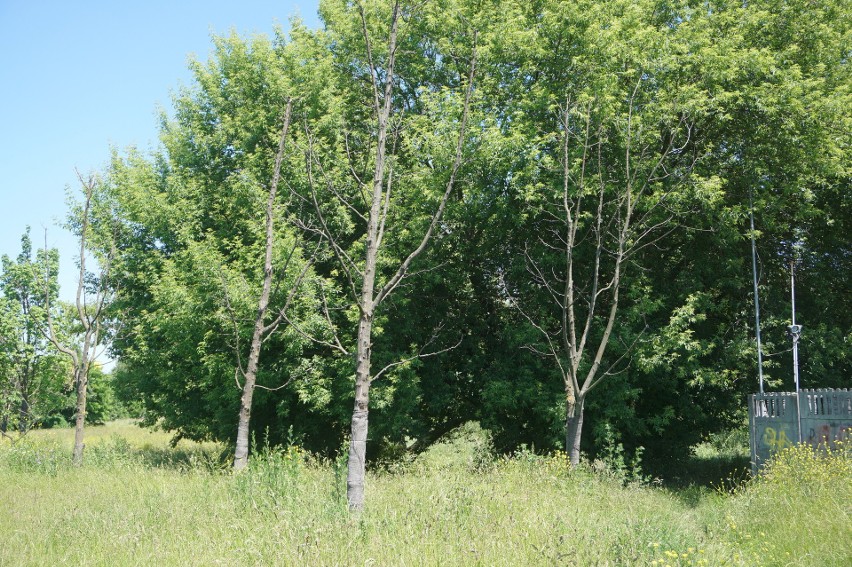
(82,386)
(90,315)
(261,329)
(610,226)
(356,466)
(369,298)
(574,428)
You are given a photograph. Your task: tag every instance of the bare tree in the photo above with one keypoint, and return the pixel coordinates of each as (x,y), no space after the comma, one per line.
(90,310)
(611,206)
(263,328)
(377,193)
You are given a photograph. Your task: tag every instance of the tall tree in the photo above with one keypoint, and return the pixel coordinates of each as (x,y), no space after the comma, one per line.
(263,327)
(611,142)
(212,274)
(765,109)
(601,192)
(379,34)
(92,221)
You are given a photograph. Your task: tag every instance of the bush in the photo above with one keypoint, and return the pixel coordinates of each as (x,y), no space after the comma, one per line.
(56,420)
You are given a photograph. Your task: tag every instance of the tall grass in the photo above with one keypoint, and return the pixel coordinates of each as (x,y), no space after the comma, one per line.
(453,506)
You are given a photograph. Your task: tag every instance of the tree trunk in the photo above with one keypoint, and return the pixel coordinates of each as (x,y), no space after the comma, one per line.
(242,448)
(356,467)
(574,426)
(80,417)
(369,299)
(358,441)
(24,424)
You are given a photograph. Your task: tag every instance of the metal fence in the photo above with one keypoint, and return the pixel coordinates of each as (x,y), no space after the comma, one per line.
(782,419)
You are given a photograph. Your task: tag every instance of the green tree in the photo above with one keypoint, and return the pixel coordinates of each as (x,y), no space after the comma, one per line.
(32,375)
(371,36)
(781,134)
(610,138)
(765,110)
(211,282)
(573,205)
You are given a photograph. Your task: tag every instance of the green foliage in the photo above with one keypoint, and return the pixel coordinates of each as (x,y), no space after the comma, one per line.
(193,256)
(36,456)
(101,406)
(32,374)
(755,97)
(274,479)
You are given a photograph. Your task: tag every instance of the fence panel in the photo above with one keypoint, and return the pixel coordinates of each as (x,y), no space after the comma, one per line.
(779,420)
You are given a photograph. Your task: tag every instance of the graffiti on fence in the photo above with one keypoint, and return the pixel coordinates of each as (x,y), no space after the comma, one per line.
(818,418)
(828,434)
(776,440)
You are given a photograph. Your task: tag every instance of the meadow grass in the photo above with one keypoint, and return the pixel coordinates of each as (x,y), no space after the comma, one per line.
(138,501)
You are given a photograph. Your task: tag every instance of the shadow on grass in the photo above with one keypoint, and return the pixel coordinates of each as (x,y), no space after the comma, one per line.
(693,478)
(117,451)
(208,459)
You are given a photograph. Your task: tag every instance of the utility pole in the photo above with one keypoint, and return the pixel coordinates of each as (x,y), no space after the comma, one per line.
(795,332)
(756,300)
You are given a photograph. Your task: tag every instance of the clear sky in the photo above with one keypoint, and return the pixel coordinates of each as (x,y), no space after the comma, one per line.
(79,77)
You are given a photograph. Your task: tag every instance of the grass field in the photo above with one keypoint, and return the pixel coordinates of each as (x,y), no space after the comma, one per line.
(138,501)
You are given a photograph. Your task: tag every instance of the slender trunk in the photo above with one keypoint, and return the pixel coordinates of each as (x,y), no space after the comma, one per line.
(90,315)
(375,228)
(242,448)
(80,416)
(574,426)
(24,424)
(356,467)
(358,438)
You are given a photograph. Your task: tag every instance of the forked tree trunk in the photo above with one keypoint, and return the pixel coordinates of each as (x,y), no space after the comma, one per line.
(369,298)
(90,315)
(356,466)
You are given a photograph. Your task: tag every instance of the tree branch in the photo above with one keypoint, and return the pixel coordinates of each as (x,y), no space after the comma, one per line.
(403,268)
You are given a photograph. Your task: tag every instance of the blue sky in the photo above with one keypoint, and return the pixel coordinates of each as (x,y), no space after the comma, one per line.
(77,78)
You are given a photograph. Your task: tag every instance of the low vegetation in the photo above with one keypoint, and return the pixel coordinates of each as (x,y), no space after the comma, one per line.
(139,501)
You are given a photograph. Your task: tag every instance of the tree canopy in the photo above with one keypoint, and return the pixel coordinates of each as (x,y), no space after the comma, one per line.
(534,215)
